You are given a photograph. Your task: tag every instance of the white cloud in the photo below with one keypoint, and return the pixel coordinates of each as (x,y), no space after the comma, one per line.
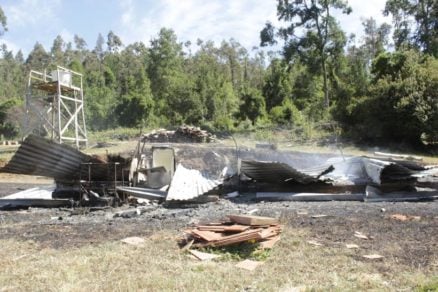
(32,20)
(66,35)
(352,24)
(10,45)
(192,19)
(31,12)
(140,20)
(222,19)
(128,11)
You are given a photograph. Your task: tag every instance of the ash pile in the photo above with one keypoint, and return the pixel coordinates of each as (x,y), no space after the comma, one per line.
(183,134)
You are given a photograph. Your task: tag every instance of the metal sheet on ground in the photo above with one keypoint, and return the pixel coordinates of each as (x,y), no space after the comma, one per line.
(278,172)
(189,183)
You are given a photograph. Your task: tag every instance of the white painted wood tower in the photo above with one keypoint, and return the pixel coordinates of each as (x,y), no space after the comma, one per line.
(55,106)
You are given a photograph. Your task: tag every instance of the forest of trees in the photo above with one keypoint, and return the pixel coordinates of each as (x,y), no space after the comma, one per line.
(380,88)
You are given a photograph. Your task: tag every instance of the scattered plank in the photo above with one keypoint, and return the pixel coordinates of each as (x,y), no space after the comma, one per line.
(360,235)
(206,235)
(352,246)
(259,229)
(248,265)
(319,216)
(315,243)
(373,256)
(188,245)
(270,242)
(236,238)
(401,217)
(203,256)
(252,220)
(223,228)
(270,231)
(134,240)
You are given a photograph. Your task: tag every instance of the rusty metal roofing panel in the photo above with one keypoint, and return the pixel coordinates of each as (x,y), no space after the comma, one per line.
(40,156)
(277,172)
(189,183)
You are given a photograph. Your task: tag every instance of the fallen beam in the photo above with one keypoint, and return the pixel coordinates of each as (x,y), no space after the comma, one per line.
(318,187)
(398,156)
(309,196)
(7,204)
(143,193)
(375,195)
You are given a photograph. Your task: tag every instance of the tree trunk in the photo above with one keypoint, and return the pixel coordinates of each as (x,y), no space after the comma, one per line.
(325,84)
(325,78)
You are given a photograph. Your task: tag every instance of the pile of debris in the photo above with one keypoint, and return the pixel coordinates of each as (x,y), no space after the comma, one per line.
(159,175)
(347,179)
(183,134)
(186,184)
(238,229)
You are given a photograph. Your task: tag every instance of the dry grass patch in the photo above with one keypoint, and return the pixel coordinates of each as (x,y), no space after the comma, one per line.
(159,265)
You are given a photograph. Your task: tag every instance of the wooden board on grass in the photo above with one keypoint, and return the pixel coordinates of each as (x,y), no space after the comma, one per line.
(223,228)
(206,235)
(269,242)
(248,235)
(203,256)
(252,220)
(248,265)
(269,232)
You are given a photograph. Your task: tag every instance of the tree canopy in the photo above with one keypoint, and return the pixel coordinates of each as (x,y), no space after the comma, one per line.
(374,92)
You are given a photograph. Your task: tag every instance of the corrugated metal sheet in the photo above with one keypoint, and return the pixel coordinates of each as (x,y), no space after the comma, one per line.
(42,192)
(277,172)
(35,197)
(39,156)
(189,183)
(381,172)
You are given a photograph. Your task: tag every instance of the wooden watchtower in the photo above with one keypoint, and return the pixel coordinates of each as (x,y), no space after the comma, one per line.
(55,106)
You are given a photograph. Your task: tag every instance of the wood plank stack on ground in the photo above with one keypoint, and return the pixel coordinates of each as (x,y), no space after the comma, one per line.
(183,134)
(238,229)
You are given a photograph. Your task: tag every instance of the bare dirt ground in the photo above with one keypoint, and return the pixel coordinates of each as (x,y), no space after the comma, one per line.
(412,243)
(408,247)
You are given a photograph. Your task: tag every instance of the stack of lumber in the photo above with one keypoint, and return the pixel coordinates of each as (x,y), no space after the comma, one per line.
(183,134)
(193,134)
(159,135)
(238,229)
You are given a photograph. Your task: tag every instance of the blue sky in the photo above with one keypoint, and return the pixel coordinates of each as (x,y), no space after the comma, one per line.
(30,21)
